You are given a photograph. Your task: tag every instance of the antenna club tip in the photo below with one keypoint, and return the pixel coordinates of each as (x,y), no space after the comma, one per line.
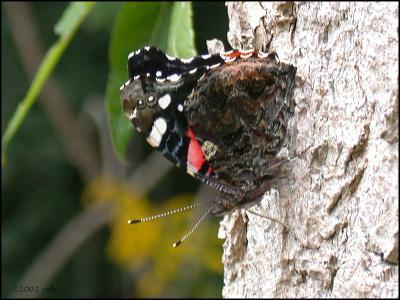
(133,221)
(176,244)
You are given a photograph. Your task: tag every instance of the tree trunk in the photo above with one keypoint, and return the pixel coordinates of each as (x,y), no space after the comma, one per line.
(340,199)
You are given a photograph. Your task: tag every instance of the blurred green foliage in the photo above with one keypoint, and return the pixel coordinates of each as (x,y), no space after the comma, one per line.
(65,28)
(42,191)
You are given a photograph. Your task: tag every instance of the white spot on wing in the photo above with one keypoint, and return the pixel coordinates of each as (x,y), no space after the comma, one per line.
(124,85)
(161,125)
(160,79)
(187,60)
(136,77)
(246,54)
(230,59)
(225,56)
(154,139)
(147,48)
(262,54)
(174,77)
(206,56)
(214,66)
(193,71)
(130,55)
(170,57)
(157,132)
(164,101)
(158,73)
(180,107)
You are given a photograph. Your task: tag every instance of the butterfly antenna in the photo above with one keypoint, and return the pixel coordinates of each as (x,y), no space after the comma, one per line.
(176,244)
(167,213)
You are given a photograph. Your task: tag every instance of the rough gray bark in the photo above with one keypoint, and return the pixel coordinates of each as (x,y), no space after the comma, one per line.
(340,200)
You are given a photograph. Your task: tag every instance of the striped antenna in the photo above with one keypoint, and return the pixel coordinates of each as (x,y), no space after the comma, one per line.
(176,244)
(167,213)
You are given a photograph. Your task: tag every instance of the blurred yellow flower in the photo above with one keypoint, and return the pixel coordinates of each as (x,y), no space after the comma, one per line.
(147,247)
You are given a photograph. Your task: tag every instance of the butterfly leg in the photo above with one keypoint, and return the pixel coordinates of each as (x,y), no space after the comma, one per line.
(268,168)
(221,186)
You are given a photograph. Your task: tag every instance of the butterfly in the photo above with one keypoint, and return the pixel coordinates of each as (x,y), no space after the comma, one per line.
(222,118)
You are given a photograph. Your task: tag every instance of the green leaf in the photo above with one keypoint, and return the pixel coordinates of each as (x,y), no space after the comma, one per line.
(181,41)
(75,11)
(138,25)
(135,24)
(66,28)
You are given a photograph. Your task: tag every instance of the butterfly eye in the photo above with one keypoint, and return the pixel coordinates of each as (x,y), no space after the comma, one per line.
(151,100)
(140,103)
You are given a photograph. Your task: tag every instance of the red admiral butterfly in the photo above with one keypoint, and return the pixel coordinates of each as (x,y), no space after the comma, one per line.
(222,118)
